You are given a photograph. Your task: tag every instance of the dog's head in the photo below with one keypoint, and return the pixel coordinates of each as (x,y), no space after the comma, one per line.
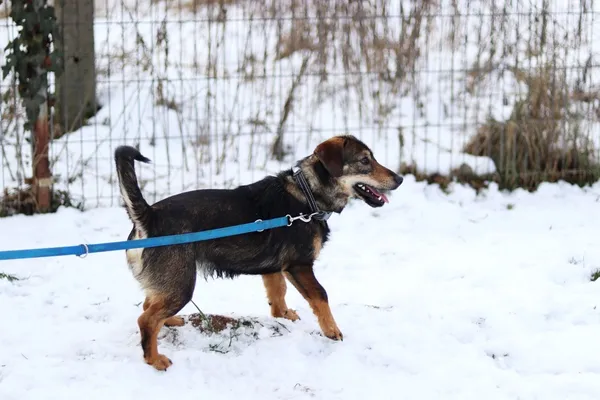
(354,168)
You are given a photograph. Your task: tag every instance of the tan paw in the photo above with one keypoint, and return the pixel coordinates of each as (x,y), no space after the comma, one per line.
(291,315)
(160,362)
(333,333)
(175,321)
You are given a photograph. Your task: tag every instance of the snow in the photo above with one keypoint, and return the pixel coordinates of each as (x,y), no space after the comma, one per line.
(439,296)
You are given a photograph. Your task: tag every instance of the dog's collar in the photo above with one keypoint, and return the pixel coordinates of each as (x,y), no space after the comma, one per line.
(312,203)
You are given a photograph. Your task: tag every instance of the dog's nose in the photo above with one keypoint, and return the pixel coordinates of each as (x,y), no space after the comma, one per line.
(398,179)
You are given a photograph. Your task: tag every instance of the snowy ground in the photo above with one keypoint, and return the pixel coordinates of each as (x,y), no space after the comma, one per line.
(438,296)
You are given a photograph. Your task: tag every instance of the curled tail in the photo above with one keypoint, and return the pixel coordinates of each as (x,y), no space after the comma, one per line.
(137,208)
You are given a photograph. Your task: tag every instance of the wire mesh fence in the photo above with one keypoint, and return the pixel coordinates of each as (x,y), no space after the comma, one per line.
(221,92)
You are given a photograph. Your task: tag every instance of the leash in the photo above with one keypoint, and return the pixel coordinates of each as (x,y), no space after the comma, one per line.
(83,250)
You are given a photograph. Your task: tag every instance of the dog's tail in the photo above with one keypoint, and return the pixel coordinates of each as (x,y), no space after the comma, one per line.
(137,208)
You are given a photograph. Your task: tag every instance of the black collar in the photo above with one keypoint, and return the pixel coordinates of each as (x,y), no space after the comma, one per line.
(312,203)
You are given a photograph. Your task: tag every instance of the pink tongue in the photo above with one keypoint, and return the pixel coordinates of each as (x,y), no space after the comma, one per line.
(383,196)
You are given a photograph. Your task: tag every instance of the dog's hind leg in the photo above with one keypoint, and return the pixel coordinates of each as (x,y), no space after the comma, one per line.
(159,308)
(303,278)
(276,289)
(150,322)
(171,321)
(165,298)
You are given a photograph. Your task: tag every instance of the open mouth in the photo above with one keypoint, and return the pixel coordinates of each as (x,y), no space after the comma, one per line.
(370,195)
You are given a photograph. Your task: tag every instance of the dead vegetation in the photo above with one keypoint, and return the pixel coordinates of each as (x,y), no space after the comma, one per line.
(546,137)
(464,175)
(379,54)
(542,140)
(212,323)
(376,51)
(23,201)
(361,41)
(194,6)
(224,331)
(4,10)
(8,277)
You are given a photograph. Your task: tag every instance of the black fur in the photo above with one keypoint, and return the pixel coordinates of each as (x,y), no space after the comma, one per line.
(168,274)
(253,253)
(139,209)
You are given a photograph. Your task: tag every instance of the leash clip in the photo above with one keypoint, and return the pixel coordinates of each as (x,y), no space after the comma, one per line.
(302,217)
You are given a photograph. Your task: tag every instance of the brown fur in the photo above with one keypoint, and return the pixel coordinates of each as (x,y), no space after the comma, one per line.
(317,245)
(276,290)
(303,278)
(152,319)
(171,321)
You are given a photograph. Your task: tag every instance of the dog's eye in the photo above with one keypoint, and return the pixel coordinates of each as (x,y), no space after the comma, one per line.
(365,161)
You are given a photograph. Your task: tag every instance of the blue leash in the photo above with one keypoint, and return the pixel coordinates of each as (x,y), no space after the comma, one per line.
(83,250)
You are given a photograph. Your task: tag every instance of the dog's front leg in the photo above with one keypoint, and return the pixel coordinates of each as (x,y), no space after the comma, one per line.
(303,278)
(276,289)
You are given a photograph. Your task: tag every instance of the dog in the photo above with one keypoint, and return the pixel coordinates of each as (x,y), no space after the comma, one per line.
(339,169)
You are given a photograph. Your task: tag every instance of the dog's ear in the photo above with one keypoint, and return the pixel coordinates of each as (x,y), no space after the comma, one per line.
(331,155)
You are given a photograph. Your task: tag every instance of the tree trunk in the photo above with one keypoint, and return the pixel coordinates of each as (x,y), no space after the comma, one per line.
(76,88)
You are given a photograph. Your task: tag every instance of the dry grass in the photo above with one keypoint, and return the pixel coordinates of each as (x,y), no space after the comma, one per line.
(212,323)
(333,38)
(540,141)
(22,201)
(194,6)
(4,10)
(8,277)
(464,174)
(226,330)
(535,144)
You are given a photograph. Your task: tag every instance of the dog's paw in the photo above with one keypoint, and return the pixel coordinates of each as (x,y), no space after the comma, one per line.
(291,315)
(334,333)
(160,362)
(175,321)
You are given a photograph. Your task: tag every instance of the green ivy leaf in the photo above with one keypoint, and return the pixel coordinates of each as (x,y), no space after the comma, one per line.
(17,10)
(56,63)
(6,68)
(47,13)
(26,54)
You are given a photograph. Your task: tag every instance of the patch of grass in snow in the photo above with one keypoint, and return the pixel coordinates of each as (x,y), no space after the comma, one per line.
(8,277)
(305,389)
(595,275)
(575,261)
(231,329)
(498,356)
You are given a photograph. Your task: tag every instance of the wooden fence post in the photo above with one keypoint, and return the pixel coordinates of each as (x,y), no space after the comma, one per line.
(42,177)
(30,57)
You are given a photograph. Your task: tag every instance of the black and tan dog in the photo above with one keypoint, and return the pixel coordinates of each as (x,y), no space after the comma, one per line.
(339,169)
